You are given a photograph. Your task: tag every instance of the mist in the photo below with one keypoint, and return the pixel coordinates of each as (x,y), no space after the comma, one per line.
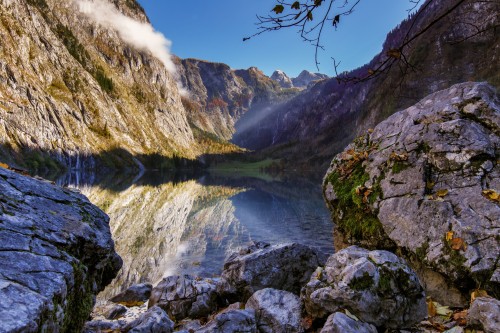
(138,34)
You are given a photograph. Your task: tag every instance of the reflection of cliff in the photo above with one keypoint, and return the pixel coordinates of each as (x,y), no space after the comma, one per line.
(166,229)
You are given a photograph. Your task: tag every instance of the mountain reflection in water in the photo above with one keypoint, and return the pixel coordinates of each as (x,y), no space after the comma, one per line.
(189,223)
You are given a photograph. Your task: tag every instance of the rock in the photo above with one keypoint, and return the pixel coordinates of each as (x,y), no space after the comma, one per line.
(341,323)
(422,178)
(188,326)
(283,79)
(133,296)
(284,267)
(376,286)
(484,314)
(277,311)
(305,78)
(241,321)
(100,326)
(185,296)
(155,320)
(60,254)
(115,312)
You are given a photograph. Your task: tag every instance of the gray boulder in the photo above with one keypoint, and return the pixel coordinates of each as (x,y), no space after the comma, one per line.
(341,323)
(484,314)
(115,312)
(284,267)
(376,286)
(277,311)
(135,295)
(155,320)
(185,296)
(59,252)
(241,321)
(101,326)
(424,181)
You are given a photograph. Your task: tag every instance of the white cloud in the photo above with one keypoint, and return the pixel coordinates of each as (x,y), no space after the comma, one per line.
(138,34)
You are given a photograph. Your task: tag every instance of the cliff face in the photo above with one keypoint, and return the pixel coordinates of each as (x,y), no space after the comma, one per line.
(71,86)
(219,96)
(319,122)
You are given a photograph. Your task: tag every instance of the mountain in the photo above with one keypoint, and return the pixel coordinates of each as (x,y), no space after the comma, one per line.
(283,79)
(319,122)
(306,77)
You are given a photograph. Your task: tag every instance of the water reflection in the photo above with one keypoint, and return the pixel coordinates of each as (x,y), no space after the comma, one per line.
(171,224)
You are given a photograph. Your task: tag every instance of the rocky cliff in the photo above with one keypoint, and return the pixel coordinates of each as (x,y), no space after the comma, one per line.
(72,86)
(322,120)
(56,253)
(426,182)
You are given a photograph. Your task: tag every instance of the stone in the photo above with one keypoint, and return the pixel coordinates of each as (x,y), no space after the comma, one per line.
(241,321)
(133,296)
(155,320)
(185,296)
(115,312)
(376,286)
(100,326)
(276,311)
(60,254)
(425,172)
(188,326)
(484,313)
(339,322)
(285,267)
(281,78)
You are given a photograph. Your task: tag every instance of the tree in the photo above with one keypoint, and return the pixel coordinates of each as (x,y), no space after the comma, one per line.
(312,17)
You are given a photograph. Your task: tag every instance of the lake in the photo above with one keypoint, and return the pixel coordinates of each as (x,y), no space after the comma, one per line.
(178,223)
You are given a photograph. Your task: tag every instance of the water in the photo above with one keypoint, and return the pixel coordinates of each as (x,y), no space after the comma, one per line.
(188,224)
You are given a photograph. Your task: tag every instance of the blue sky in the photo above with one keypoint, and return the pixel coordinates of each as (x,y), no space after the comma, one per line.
(214,29)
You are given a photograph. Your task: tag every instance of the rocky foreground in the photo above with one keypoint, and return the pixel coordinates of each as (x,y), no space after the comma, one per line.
(56,254)
(292,288)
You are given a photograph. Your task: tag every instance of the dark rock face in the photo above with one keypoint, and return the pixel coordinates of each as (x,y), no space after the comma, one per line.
(285,267)
(277,311)
(340,323)
(59,252)
(484,314)
(376,286)
(136,294)
(185,296)
(425,180)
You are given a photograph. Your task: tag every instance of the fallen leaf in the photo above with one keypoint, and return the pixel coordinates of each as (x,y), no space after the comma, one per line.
(442,193)
(3,165)
(460,317)
(492,195)
(350,315)
(429,185)
(458,244)
(370,130)
(431,308)
(307,322)
(442,310)
(449,236)
(478,293)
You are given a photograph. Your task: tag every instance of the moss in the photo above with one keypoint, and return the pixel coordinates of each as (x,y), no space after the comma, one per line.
(421,252)
(72,44)
(105,82)
(423,147)
(361,283)
(79,302)
(399,166)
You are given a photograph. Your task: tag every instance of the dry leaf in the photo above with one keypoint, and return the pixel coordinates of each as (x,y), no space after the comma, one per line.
(429,185)
(442,193)
(370,130)
(431,308)
(478,293)
(3,165)
(458,244)
(449,236)
(350,315)
(442,310)
(492,195)
(460,317)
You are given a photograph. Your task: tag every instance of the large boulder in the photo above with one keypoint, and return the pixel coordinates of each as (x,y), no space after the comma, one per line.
(135,295)
(284,267)
(376,286)
(277,311)
(185,296)
(484,314)
(155,320)
(426,181)
(59,252)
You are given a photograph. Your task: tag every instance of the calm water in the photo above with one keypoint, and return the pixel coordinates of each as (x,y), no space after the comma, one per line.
(177,223)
